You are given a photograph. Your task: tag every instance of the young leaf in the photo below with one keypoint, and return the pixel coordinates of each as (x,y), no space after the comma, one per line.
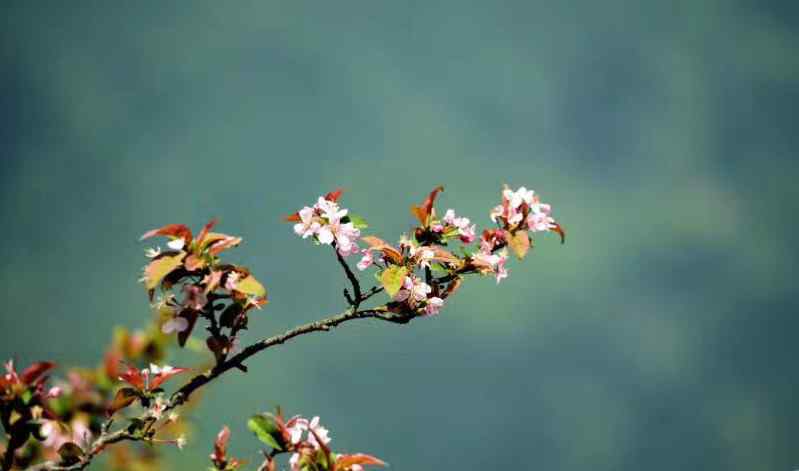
(123,398)
(251,286)
(171,230)
(33,372)
(265,429)
(161,267)
(357,221)
(424,211)
(392,278)
(519,243)
(344,462)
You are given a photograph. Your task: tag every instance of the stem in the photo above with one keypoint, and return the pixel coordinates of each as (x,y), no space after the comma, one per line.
(356,285)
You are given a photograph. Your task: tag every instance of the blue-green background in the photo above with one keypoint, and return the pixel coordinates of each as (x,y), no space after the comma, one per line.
(662,336)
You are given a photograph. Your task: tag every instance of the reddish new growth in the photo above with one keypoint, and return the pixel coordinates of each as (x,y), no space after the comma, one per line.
(110,409)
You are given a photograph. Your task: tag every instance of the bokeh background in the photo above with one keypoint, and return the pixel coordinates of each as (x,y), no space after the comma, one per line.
(662,335)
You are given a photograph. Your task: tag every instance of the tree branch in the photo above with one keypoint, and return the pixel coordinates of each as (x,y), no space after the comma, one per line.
(182,395)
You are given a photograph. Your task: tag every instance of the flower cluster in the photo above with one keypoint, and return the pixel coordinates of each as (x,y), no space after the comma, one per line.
(328,224)
(191,268)
(419,273)
(307,441)
(524,208)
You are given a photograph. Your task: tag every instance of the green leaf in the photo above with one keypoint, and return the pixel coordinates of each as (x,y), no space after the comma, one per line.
(265,429)
(251,286)
(161,267)
(27,396)
(392,278)
(357,221)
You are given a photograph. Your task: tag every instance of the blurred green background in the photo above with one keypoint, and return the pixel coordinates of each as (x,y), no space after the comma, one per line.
(662,336)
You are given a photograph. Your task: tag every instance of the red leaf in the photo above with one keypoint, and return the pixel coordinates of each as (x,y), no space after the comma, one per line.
(424,211)
(161,377)
(334,195)
(133,377)
(559,229)
(111,364)
(344,462)
(390,252)
(204,231)
(293,218)
(226,243)
(171,230)
(123,398)
(220,447)
(31,373)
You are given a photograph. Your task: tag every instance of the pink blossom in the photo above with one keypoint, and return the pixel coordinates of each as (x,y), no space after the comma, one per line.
(325,235)
(294,462)
(308,226)
(449,217)
(366,261)
(425,257)
(346,234)
(330,210)
(501,271)
(296,426)
(467,233)
(176,324)
(413,291)
(231,280)
(539,219)
(516,198)
(176,244)
(433,306)
(319,431)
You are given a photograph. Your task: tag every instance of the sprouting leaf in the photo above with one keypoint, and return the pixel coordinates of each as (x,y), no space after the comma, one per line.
(347,461)
(193,262)
(161,267)
(33,372)
(519,243)
(170,230)
(424,211)
(357,221)
(443,255)
(220,245)
(123,398)
(265,428)
(249,285)
(392,278)
(204,232)
(334,195)
(390,252)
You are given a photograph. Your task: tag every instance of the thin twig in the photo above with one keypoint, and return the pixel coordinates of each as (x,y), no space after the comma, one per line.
(356,285)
